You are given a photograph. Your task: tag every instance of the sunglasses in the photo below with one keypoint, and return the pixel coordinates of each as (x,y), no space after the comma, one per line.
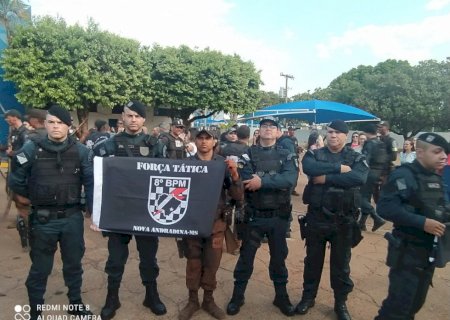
(179,127)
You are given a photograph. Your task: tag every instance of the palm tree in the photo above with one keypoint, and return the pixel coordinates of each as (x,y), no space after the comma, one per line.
(12,13)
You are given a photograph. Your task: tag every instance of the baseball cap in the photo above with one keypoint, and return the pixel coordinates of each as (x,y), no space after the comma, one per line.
(384,124)
(177,122)
(269,120)
(211,133)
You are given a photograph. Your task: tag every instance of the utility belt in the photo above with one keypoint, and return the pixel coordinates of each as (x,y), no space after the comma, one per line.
(283,212)
(44,214)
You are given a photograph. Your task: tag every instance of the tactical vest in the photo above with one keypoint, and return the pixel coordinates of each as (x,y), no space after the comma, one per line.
(335,200)
(175,148)
(18,137)
(126,149)
(429,201)
(53,185)
(268,163)
(379,158)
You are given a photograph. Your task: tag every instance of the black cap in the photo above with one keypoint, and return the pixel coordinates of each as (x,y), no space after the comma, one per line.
(269,120)
(99,124)
(339,125)
(232,129)
(370,128)
(243,132)
(62,114)
(137,107)
(435,139)
(211,133)
(384,124)
(177,122)
(13,113)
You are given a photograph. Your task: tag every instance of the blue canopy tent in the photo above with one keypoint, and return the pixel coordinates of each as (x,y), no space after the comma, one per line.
(313,111)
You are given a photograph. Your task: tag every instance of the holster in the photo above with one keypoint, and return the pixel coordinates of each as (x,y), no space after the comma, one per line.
(230,241)
(22,227)
(303,225)
(240,222)
(395,250)
(356,234)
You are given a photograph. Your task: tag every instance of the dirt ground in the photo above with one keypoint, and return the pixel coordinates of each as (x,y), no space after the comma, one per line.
(369,274)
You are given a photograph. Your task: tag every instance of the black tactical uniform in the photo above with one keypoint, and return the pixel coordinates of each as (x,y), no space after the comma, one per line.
(411,195)
(376,157)
(332,210)
(267,211)
(51,175)
(171,147)
(127,145)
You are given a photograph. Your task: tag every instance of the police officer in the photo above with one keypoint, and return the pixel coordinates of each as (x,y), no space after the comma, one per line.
(413,199)
(376,157)
(392,153)
(171,145)
(268,173)
(132,142)
(49,176)
(335,173)
(17,138)
(204,254)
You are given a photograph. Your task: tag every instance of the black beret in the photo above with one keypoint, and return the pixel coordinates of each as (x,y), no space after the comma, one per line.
(62,114)
(370,128)
(435,139)
(13,113)
(269,120)
(137,107)
(339,125)
(99,124)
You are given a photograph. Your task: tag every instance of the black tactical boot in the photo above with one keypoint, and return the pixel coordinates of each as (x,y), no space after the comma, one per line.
(377,222)
(237,300)
(362,222)
(192,306)
(152,300)
(282,300)
(340,308)
(35,314)
(78,308)
(304,305)
(112,303)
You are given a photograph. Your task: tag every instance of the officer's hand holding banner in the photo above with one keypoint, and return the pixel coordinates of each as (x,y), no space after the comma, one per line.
(156,196)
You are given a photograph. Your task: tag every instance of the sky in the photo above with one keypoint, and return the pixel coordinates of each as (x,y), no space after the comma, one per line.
(315,41)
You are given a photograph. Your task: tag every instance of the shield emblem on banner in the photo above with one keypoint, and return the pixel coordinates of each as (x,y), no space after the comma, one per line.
(168,199)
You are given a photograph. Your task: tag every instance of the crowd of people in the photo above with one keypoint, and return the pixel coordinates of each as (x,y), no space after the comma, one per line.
(51,170)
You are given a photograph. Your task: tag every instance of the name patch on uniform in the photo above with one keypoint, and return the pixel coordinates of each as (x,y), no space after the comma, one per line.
(21,158)
(434,185)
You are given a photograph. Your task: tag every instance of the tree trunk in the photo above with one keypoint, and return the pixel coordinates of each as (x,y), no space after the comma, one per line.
(83,126)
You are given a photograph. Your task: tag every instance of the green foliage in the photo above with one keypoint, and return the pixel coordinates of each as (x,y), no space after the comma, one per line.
(187,80)
(268,98)
(412,98)
(75,67)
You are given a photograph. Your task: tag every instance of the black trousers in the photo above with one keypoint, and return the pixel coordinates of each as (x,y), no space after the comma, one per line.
(410,277)
(147,247)
(275,230)
(340,238)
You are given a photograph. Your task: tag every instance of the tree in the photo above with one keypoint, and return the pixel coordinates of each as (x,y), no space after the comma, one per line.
(268,98)
(186,80)
(12,13)
(410,97)
(77,68)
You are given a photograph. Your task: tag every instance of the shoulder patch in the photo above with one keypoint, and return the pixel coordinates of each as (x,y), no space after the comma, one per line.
(401,184)
(21,158)
(245,157)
